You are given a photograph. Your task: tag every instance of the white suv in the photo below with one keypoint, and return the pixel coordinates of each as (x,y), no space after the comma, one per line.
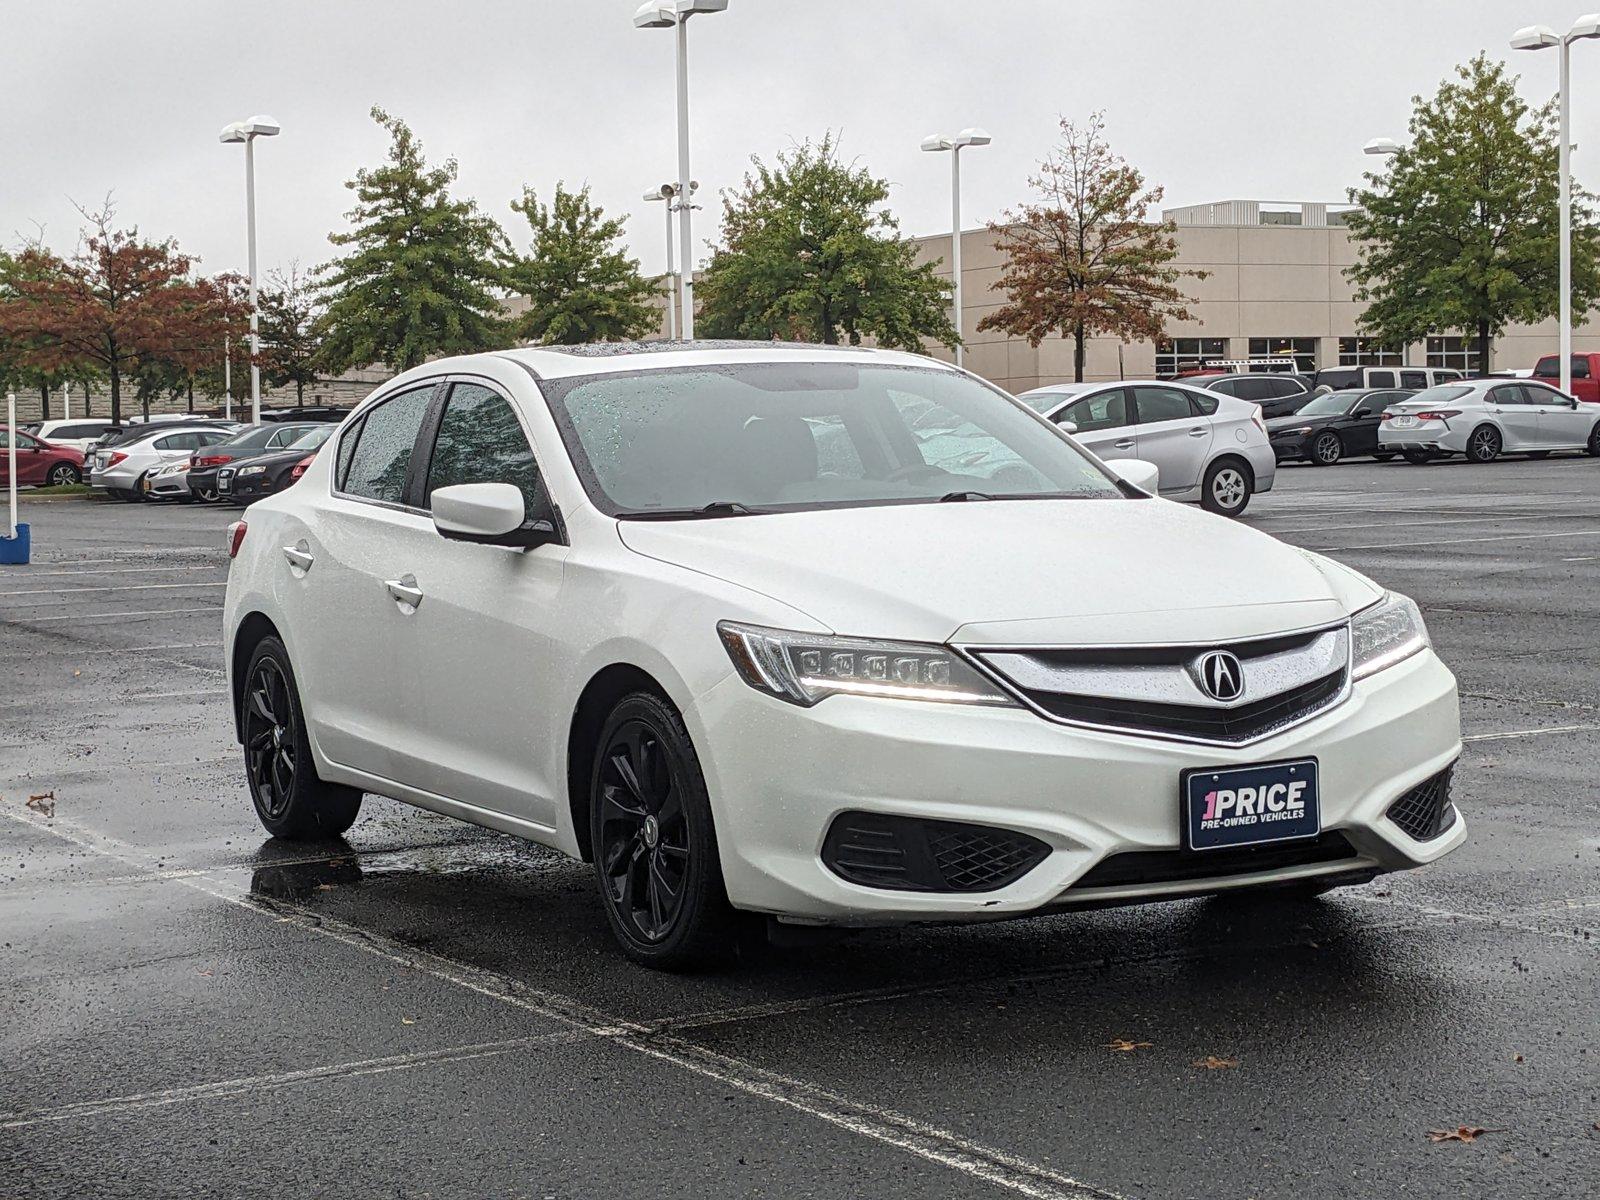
(822,635)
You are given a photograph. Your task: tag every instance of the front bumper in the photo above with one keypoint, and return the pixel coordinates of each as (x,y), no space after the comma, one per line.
(245,488)
(176,484)
(1289,449)
(778,776)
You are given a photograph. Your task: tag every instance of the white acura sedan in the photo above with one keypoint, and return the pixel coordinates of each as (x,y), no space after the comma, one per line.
(830,636)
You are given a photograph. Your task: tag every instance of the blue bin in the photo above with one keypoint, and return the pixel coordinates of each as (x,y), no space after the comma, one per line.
(15,551)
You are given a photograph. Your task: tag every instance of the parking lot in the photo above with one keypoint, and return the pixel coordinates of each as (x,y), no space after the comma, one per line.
(430,1009)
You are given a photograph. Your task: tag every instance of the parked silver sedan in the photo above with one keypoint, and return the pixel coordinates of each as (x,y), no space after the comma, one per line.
(1485,418)
(120,469)
(1212,449)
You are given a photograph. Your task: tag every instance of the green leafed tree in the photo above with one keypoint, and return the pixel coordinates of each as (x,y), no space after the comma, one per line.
(579,283)
(1460,232)
(290,335)
(421,271)
(810,252)
(1085,258)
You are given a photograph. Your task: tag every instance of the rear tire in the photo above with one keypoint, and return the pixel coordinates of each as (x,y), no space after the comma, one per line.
(291,800)
(1327,449)
(1484,444)
(62,474)
(655,847)
(1227,487)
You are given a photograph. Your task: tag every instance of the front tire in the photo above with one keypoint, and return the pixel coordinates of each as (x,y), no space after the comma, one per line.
(1484,444)
(291,800)
(655,849)
(1327,449)
(1226,488)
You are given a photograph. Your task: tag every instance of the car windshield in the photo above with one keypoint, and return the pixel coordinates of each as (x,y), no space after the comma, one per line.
(1332,404)
(728,439)
(251,438)
(312,438)
(1442,394)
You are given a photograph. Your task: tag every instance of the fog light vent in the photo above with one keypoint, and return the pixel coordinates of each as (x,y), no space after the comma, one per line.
(1425,811)
(911,854)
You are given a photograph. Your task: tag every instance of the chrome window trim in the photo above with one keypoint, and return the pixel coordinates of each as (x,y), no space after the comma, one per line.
(971,652)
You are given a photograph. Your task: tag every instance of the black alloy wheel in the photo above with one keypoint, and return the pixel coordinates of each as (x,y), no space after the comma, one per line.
(1484,444)
(291,799)
(269,739)
(655,852)
(1327,449)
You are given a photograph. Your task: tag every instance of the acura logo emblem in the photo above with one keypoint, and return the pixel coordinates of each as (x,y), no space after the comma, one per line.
(1220,675)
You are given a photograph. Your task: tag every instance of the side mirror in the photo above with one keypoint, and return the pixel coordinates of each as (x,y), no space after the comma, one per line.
(492,514)
(1136,472)
(1067,426)
(1362,412)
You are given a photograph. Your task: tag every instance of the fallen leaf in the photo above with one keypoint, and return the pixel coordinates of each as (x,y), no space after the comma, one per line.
(1124,1046)
(75,674)
(1520,1058)
(1212,1063)
(1461,1133)
(206,971)
(44,803)
(407,1021)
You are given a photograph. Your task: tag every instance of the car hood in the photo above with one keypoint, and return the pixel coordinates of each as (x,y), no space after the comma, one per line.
(1017,572)
(1296,421)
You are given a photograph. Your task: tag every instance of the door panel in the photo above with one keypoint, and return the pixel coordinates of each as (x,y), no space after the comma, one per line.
(1105,424)
(1172,435)
(1518,419)
(1561,426)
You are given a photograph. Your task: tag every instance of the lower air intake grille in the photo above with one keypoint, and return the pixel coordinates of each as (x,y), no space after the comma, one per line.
(1181,866)
(910,854)
(1425,811)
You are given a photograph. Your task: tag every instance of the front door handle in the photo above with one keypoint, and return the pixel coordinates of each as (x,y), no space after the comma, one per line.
(405,592)
(1123,444)
(299,555)
(1199,431)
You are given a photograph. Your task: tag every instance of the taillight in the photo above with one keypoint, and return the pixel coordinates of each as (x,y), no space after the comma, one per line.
(1260,421)
(210,460)
(236,533)
(299,468)
(1438,414)
(116,457)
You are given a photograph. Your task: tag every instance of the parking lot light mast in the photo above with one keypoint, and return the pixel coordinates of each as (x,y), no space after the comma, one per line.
(1542,37)
(675,14)
(247,132)
(1385,147)
(938,143)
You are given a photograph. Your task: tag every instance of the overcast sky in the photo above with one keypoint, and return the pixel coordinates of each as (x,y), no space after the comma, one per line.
(1219,100)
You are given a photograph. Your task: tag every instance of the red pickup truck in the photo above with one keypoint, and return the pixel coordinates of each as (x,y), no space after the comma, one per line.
(1585,374)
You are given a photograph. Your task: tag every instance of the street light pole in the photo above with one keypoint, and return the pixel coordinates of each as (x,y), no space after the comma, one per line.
(227,377)
(247,132)
(936,143)
(666,192)
(1383,147)
(1542,37)
(663,14)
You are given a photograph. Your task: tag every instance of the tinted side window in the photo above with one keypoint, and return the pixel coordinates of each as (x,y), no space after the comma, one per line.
(1161,404)
(1580,367)
(481,441)
(1386,379)
(1257,389)
(1413,379)
(1204,401)
(1228,387)
(382,454)
(1509,393)
(1107,410)
(178,441)
(1534,393)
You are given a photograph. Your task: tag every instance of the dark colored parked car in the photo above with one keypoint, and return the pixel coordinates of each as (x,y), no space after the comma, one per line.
(39,464)
(1332,426)
(1278,393)
(269,474)
(250,442)
(306,412)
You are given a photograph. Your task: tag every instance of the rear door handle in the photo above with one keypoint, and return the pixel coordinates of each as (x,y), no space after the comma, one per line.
(1123,443)
(299,555)
(405,592)
(1199,431)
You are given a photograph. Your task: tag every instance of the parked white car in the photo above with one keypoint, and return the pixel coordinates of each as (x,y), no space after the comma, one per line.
(1485,418)
(80,433)
(121,469)
(823,635)
(169,481)
(1211,448)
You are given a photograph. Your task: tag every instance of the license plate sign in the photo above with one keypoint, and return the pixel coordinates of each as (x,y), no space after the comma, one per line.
(1405,422)
(1246,806)
(224,483)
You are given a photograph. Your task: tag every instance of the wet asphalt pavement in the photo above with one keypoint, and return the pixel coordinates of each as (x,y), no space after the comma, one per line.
(431,1010)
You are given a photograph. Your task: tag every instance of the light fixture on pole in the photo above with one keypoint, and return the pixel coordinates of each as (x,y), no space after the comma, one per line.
(1382,146)
(669,193)
(937,143)
(675,14)
(1542,37)
(247,132)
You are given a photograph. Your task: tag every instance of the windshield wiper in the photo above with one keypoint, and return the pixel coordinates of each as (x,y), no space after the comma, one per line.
(954,497)
(717,508)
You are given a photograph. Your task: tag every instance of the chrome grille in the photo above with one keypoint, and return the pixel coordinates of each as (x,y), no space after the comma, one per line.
(1158,690)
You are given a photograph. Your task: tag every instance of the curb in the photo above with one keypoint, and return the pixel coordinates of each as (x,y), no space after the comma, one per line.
(24,498)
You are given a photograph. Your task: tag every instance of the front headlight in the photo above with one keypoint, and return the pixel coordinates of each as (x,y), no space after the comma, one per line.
(251,470)
(1388,632)
(804,668)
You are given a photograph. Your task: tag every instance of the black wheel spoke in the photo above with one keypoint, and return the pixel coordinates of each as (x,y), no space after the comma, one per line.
(641,831)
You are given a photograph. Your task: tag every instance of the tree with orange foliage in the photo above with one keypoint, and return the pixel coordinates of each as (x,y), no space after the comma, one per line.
(119,304)
(1086,258)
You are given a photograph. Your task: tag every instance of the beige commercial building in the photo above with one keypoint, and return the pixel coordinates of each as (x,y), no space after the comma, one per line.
(1274,285)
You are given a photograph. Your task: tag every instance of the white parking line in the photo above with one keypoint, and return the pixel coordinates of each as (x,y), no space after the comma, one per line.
(121,587)
(260,1083)
(1522,733)
(89,618)
(121,700)
(152,569)
(1404,526)
(883,1125)
(1410,545)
